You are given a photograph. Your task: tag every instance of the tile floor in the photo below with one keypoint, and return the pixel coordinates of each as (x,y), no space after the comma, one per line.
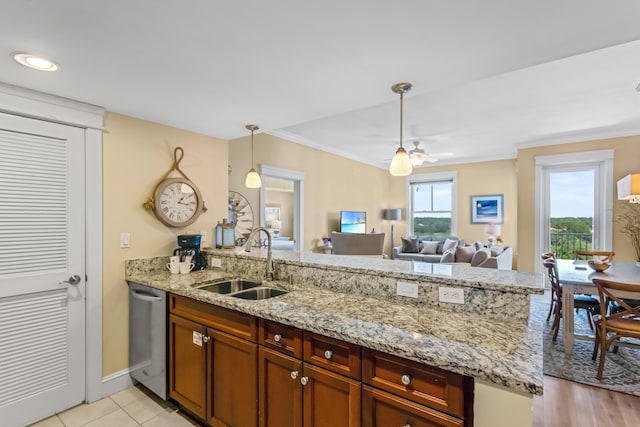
(135,406)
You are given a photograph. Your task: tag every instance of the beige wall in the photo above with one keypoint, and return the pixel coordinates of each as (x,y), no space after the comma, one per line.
(484,178)
(626,160)
(284,201)
(136,155)
(331,184)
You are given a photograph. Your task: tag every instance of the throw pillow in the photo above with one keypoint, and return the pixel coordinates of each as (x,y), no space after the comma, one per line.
(479,245)
(449,244)
(496,250)
(429,247)
(465,253)
(410,245)
(480,256)
(448,256)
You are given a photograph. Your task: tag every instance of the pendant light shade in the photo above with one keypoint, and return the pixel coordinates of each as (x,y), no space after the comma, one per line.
(253,179)
(401,163)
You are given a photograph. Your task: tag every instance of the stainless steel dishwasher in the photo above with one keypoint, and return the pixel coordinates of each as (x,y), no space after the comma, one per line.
(148,337)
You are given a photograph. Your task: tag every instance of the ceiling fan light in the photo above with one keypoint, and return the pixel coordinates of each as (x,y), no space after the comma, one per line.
(417,158)
(253,179)
(401,163)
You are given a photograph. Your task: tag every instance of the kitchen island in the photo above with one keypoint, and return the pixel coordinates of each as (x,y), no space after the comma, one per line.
(489,338)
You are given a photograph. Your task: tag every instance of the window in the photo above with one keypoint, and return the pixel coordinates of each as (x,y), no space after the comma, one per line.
(432,205)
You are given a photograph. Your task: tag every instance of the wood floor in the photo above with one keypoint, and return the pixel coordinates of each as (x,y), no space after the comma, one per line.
(569,404)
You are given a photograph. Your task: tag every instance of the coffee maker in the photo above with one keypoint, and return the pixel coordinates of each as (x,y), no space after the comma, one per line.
(189,245)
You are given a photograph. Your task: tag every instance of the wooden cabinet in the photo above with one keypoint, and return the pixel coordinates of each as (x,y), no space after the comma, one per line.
(231,370)
(213,363)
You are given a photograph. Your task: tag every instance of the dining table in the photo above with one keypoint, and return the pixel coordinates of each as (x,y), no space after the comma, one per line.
(576,277)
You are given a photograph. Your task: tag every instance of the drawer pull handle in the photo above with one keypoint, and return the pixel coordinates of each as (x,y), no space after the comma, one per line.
(406,379)
(277,337)
(294,375)
(304,380)
(328,354)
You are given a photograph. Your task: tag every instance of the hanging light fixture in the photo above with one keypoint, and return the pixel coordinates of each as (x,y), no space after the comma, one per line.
(253,179)
(401,163)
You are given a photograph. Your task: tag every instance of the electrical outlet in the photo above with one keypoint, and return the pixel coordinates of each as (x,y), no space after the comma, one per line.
(216,262)
(125,240)
(203,237)
(407,289)
(452,295)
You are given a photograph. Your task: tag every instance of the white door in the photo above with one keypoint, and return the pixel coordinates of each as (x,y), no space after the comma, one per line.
(42,269)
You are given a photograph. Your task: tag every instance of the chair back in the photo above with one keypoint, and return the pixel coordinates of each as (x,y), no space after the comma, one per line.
(608,255)
(608,291)
(548,255)
(552,273)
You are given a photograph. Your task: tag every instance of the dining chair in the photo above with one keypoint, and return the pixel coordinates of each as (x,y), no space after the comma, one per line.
(608,255)
(624,323)
(552,303)
(581,302)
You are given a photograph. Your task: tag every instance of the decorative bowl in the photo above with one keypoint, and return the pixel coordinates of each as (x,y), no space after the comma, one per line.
(598,265)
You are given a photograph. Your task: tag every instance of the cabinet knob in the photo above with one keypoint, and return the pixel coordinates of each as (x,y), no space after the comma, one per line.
(406,380)
(304,380)
(407,425)
(328,354)
(277,337)
(205,339)
(294,375)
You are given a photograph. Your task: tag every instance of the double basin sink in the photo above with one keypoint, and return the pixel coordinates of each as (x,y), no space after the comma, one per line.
(241,288)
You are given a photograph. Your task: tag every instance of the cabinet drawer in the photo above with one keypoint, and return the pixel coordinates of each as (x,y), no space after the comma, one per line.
(381,409)
(415,381)
(230,321)
(282,338)
(332,354)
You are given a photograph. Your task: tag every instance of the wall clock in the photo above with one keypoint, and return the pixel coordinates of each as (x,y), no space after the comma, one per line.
(178,202)
(240,214)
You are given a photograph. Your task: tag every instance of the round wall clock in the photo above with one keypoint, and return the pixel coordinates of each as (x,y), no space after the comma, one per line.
(240,214)
(178,202)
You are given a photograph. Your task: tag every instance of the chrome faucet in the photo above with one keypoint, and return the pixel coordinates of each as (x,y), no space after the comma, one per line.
(269,274)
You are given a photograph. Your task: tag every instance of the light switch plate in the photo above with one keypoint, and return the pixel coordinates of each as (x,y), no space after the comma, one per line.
(452,295)
(407,289)
(125,240)
(216,262)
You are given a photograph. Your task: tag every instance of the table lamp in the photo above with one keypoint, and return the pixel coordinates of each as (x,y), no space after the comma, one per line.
(491,230)
(392,215)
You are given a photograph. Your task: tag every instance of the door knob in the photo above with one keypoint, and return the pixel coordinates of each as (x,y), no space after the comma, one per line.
(73,280)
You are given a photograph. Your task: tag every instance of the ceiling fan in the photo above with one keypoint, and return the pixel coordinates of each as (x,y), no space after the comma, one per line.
(418,155)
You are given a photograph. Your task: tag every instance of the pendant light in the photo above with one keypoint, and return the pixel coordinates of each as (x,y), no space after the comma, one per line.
(253,179)
(401,163)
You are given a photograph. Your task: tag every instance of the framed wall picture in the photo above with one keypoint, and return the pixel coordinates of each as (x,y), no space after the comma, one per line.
(487,209)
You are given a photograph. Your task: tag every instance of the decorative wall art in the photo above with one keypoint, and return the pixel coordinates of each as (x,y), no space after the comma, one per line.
(487,209)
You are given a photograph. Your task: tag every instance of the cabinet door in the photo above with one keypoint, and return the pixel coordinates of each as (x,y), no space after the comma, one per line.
(187,364)
(280,390)
(330,400)
(382,409)
(233,381)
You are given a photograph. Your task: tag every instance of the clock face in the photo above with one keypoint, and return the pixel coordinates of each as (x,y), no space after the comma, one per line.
(177,202)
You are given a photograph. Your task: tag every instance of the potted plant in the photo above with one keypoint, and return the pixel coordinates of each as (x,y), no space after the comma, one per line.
(629,221)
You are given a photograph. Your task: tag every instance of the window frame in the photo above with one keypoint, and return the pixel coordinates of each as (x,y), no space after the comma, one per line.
(451,176)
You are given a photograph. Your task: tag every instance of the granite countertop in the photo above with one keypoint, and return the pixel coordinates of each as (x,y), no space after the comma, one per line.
(450,274)
(507,352)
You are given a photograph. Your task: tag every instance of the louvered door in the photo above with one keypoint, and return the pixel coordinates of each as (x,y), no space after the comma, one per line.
(42,241)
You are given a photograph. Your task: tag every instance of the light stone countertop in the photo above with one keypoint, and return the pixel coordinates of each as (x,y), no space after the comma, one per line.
(506,352)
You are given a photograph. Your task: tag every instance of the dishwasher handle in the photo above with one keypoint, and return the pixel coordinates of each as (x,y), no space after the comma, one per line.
(145,296)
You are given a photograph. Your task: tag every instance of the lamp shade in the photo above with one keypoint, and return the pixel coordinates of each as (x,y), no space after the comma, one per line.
(253,179)
(400,164)
(629,188)
(392,214)
(492,229)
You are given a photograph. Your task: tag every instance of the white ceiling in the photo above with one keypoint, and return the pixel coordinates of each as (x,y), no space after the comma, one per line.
(488,76)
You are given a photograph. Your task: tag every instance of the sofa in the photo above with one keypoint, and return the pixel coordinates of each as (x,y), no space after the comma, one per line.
(451,250)
(370,244)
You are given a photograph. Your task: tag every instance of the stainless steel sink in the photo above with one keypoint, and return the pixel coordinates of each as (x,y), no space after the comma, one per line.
(262,292)
(228,286)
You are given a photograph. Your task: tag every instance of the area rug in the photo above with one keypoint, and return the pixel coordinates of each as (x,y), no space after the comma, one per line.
(621,371)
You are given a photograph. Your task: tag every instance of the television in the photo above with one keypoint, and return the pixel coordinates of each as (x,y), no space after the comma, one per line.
(353,222)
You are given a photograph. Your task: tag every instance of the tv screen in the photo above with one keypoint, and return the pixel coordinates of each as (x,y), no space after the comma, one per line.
(353,222)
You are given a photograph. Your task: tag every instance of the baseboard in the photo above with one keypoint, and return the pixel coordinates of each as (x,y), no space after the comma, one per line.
(116,382)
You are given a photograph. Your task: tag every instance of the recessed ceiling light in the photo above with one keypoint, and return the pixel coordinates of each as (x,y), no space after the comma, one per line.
(34,61)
